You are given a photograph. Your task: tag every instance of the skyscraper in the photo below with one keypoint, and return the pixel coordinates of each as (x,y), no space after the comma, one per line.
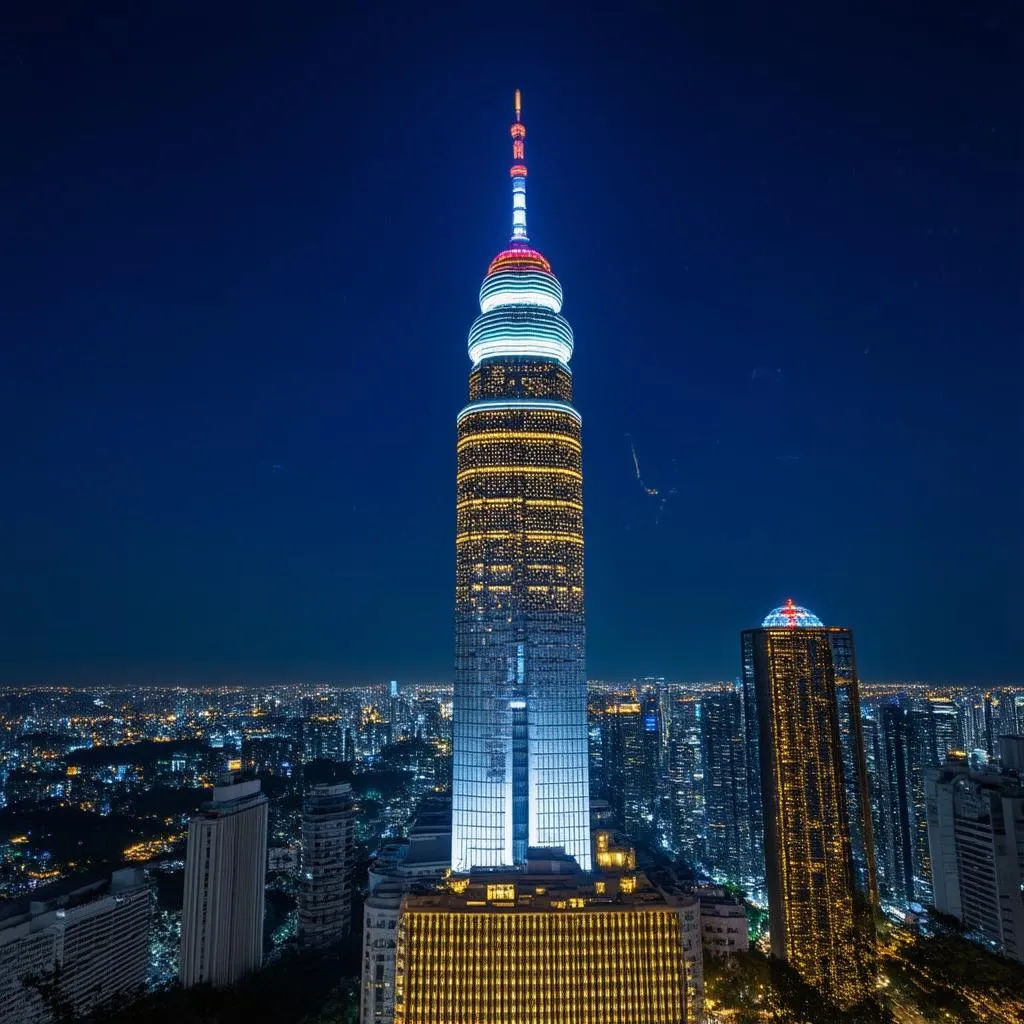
(727,828)
(820,911)
(630,753)
(687,778)
(225,872)
(325,888)
(520,742)
(525,931)
(903,740)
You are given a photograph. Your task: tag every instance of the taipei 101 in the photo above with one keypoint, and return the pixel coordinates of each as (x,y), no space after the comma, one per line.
(513,515)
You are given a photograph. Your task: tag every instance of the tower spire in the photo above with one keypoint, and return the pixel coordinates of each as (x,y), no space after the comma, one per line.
(518,173)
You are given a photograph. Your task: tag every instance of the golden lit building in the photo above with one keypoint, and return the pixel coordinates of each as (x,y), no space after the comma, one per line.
(546,948)
(820,916)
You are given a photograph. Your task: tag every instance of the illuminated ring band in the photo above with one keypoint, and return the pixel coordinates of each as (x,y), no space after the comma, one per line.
(521,288)
(515,405)
(520,331)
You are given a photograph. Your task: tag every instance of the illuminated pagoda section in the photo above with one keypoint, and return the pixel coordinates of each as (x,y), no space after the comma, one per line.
(520,765)
(809,777)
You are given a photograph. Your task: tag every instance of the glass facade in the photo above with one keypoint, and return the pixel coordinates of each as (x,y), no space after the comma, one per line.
(727,843)
(520,768)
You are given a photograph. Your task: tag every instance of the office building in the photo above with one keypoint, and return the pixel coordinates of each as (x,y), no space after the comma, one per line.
(549,946)
(74,946)
(727,826)
(820,910)
(225,871)
(903,745)
(686,778)
(328,854)
(520,772)
(631,750)
(976,836)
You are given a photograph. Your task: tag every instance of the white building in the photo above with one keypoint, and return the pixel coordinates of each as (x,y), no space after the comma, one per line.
(380,923)
(225,872)
(325,894)
(401,866)
(976,842)
(723,924)
(80,947)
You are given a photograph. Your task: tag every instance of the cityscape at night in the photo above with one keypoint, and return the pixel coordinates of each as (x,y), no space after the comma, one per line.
(639,651)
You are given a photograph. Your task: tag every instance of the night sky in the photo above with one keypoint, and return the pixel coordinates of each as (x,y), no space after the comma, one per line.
(240,254)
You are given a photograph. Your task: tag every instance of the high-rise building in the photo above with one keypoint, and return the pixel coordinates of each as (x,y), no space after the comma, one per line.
(520,751)
(944,732)
(727,835)
(687,777)
(631,757)
(900,786)
(75,947)
(524,931)
(976,835)
(820,911)
(225,873)
(902,748)
(328,854)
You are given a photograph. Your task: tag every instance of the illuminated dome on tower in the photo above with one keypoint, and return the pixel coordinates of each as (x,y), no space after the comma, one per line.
(792,616)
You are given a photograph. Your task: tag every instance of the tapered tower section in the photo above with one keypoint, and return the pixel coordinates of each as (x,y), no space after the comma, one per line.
(520,776)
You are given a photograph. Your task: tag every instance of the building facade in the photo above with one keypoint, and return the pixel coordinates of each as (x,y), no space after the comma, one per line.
(976,835)
(520,771)
(417,864)
(631,756)
(542,949)
(685,778)
(723,923)
(225,873)
(328,853)
(820,908)
(75,950)
(381,913)
(727,826)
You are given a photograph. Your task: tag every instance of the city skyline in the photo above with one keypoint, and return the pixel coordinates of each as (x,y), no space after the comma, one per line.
(206,476)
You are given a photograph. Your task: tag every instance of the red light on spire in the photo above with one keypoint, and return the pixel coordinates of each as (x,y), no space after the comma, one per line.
(518,173)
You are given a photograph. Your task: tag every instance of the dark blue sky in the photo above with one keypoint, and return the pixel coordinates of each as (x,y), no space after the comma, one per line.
(240,253)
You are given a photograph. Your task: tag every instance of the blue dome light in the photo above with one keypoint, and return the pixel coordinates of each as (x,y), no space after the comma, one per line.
(791,616)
